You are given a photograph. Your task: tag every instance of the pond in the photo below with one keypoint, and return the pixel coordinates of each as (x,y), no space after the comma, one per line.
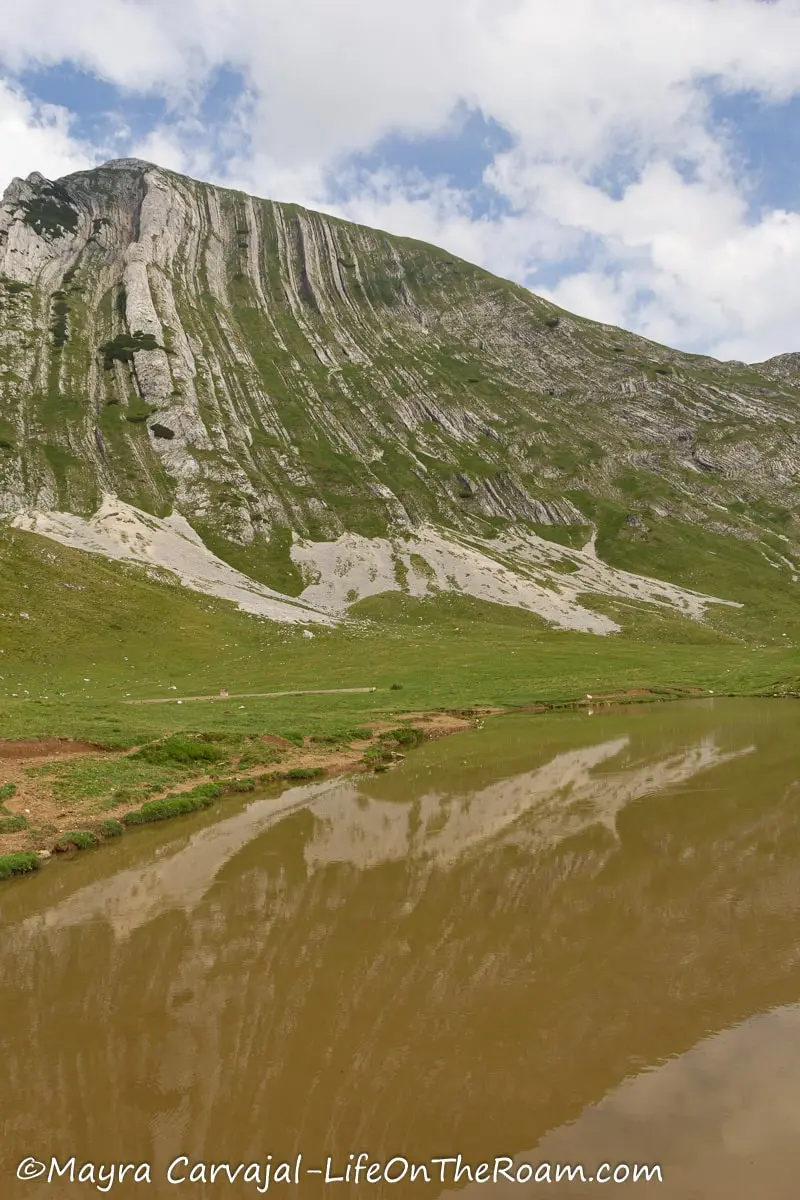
(563,939)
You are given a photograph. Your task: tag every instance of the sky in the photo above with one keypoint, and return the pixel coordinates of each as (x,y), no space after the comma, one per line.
(635,161)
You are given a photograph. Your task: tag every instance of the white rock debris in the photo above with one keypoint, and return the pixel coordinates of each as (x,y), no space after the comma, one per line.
(520,572)
(120,531)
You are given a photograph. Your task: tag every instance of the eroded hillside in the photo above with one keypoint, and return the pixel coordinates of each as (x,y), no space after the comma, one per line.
(283,381)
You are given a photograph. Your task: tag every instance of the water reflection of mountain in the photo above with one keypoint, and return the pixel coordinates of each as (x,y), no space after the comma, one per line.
(461,971)
(535,809)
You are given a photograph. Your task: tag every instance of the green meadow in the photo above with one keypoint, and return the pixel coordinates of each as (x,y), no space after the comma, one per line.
(100,634)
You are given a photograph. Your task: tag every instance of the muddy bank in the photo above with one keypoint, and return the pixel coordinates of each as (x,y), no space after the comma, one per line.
(25,749)
(36,817)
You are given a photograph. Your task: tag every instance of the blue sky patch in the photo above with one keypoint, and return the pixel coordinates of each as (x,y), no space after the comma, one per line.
(105,115)
(765,144)
(98,108)
(458,156)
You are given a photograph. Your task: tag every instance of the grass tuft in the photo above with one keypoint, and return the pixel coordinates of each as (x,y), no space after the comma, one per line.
(305,773)
(237,786)
(14,823)
(259,754)
(18,864)
(181,749)
(386,751)
(404,735)
(77,839)
(199,798)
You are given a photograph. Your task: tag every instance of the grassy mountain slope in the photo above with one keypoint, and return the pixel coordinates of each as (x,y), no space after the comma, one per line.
(271,372)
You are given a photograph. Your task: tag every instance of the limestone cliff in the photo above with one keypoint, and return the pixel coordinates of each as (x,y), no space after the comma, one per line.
(279,377)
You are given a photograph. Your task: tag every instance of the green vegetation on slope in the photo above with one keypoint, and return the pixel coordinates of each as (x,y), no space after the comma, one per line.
(340,376)
(123,347)
(68,676)
(750,571)
(50,212)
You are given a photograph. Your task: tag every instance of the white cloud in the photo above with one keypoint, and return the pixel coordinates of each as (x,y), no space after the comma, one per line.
(615,147)
(177,148)
(119,40)
(514,244)
(36,137)
(709,278)
(571,77)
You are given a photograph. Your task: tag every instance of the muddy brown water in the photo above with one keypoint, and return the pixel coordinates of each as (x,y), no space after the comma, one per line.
(563,939)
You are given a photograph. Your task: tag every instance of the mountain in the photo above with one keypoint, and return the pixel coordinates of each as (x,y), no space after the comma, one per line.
(297,413)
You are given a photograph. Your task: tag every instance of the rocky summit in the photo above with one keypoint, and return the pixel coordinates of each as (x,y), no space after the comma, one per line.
(296,413)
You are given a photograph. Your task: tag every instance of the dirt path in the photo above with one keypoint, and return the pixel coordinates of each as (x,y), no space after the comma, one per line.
(257,695)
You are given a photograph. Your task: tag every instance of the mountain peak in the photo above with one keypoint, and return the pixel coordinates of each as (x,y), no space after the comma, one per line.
(280,378)
(123,164)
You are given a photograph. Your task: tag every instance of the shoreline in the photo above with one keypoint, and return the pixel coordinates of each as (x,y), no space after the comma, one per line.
(53,829)
(40,826)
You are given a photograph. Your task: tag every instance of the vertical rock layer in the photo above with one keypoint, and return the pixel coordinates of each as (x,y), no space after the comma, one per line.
(269,372)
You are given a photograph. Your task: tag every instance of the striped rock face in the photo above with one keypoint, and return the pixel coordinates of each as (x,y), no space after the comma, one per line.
(293,386)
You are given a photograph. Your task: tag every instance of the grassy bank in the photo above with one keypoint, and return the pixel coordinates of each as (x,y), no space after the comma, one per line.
(74,797)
